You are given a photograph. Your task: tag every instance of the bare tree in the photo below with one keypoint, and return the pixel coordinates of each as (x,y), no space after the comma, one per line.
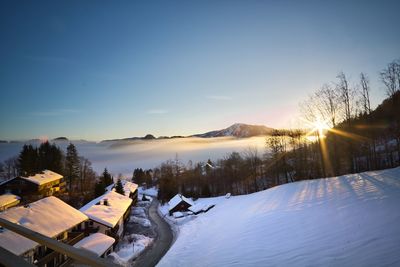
(390,77)
(365,90)
(346,95)
(11,167)
(328,101)
(253,163)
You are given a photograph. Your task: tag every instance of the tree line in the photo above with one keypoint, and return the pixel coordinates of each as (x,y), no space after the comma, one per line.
(77,170)
(346,136)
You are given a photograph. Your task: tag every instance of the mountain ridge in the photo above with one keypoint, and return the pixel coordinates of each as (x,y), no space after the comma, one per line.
(239,130)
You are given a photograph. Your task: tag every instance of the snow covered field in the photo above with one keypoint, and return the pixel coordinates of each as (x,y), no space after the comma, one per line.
(351,220)
(124,156)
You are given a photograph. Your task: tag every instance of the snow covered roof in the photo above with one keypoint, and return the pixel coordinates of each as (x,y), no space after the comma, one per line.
(177,199)
(49,216)
(7,199)
(109,214)
(110,187)
(129,187)
(44,177)
(97,243)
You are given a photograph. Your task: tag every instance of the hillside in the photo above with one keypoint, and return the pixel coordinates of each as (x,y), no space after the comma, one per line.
(349,220)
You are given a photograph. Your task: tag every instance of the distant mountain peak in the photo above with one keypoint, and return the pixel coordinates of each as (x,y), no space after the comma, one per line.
(61,138)
(240,130)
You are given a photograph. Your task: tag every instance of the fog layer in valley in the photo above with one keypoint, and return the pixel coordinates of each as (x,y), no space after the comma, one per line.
(124,156)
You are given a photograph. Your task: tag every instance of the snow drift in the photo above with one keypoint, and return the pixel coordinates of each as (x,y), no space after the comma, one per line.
(351,220)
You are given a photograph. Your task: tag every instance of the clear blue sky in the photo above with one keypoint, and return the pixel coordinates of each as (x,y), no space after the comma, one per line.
(110,69)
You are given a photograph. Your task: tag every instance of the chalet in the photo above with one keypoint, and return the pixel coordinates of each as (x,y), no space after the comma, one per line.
(108,214)
(8,200)
(98,243)
(179,203)
(49,216)
(131,191)
(31,188)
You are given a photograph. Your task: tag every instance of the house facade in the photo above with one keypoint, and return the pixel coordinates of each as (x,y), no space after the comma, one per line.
(32,188)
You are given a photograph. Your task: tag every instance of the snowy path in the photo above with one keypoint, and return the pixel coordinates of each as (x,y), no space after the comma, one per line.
(162,242)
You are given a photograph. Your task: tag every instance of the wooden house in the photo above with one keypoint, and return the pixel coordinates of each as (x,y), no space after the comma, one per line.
(31,188)
(108,214)
(48,216)
(179,203)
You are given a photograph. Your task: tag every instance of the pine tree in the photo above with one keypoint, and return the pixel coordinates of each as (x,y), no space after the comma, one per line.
(27,161)
(106,178)
(49,157)
(72,165)
(99,189)
(119,188)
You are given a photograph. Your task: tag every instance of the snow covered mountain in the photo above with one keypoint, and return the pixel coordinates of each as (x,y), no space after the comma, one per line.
(350,220)
(238,130)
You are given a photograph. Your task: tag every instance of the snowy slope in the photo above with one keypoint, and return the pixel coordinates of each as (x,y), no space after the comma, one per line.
(351,220)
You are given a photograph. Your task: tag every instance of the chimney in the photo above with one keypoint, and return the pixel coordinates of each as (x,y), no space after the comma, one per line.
(105,202)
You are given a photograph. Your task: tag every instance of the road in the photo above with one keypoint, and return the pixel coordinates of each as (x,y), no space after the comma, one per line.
(163,241)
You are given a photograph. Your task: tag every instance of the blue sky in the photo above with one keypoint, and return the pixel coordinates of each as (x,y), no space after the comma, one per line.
(110,69)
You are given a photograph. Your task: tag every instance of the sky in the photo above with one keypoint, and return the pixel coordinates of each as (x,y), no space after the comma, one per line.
(110,69)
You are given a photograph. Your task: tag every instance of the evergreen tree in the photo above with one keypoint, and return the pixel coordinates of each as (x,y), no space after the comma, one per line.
(106,178)
(72,165)
(27,161)
(139,176)
(99,189)
(119,188)
(50,157)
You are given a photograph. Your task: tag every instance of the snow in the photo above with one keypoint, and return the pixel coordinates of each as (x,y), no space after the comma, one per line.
(109,188)
(49,216)
(44,177)
(178,214)
(152,191)
(139,212)
(129,187)
(177,199)
(350,220)
(97,243)
(197,208)
(7,199)
(110,214)
(142,221)
(200,207)
(129,248)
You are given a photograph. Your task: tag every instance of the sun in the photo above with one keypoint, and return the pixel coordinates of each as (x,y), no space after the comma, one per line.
(321,127)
